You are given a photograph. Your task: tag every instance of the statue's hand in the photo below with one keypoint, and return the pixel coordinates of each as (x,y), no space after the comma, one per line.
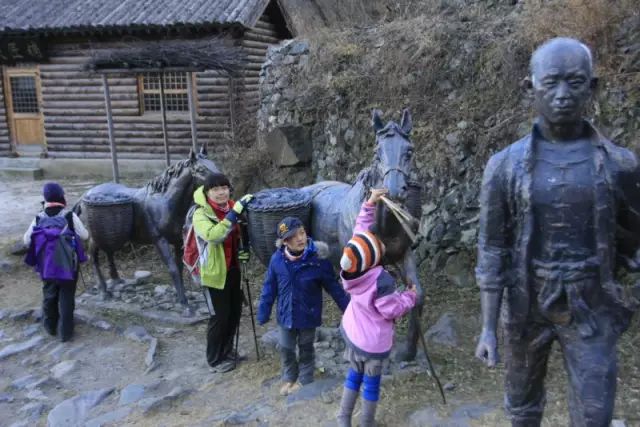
(487,349)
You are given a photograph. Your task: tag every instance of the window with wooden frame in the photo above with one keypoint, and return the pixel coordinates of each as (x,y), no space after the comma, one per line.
(176,99)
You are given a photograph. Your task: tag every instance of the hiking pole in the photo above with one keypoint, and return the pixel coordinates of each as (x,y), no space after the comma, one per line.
(236,359)
(432,371)
(244,247)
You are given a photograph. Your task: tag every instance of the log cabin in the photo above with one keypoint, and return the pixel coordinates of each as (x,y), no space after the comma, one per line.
(52,97)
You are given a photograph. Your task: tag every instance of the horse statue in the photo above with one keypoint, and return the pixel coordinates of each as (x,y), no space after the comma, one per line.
(159,210)
(335,205)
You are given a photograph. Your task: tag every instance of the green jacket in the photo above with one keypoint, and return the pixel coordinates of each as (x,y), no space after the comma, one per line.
(213,270)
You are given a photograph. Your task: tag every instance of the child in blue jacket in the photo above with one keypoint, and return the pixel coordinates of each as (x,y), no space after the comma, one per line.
(297,272)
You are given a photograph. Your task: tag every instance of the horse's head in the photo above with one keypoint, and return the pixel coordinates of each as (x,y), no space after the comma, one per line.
(393,156)
(200,166)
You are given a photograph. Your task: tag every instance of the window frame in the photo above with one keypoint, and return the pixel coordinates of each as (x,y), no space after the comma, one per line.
(141,92)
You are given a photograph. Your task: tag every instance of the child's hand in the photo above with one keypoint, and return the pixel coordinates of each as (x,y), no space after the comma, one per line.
(412,288)
(376,193)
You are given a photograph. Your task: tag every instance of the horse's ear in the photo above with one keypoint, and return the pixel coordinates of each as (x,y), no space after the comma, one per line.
(203,149)
(406,125)
(376,121)
(192,155)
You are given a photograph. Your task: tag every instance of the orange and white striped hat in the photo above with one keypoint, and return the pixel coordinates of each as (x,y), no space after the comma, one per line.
(361,253)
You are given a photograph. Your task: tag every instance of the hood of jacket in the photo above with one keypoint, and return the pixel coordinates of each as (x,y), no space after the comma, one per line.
(361,284)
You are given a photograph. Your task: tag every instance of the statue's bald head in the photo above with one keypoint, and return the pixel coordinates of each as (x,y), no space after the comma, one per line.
(563,49)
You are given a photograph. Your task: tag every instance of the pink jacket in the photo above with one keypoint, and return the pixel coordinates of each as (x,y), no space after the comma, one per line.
(367,323)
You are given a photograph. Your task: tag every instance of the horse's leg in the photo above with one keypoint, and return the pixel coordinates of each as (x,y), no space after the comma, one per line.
(102,285)
(164,249)
(113,271)
(180,292)
(410,272)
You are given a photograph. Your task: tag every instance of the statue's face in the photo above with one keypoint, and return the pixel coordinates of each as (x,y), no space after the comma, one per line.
(562,83)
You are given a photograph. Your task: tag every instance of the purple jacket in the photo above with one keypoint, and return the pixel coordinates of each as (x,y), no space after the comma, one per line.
(367,323)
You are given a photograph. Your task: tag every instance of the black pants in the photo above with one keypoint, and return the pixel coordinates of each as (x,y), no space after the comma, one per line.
(591,363)
(58,303)
(227,304)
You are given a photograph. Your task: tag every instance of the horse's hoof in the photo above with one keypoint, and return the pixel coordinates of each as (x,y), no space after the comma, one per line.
(106,295)
(406,354)
(188,312)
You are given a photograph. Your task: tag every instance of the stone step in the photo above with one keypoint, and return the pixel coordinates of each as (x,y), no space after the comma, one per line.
(19,162)
(21,172)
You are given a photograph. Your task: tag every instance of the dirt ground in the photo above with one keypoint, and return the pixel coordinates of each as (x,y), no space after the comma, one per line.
(248,395)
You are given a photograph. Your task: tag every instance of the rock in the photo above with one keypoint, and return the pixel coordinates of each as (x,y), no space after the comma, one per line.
(63,368)
(131,393)
(289,145)
(22,382)
(36,394)
(458,269)
(33,410)
(36,315)
(6,397)
(425,417)
(30,330)
(443,332)
(453,138)
(155,403)
(449,387)
(313,390)
(160,290)
(166,332)
(141,276)
(137,333)
(21,347)
(618,423)
(18,248)
(256,411)
(151,352)
(109,418)
(74,411)
(3,314)
(102,324)
(7,265)
(270,338)
(21,315)
(299,47)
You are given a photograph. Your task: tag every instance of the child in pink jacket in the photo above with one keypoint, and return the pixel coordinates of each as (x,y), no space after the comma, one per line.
(367,323)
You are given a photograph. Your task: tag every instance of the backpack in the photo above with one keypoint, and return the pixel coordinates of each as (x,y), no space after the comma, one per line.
(193,246)
(55,250)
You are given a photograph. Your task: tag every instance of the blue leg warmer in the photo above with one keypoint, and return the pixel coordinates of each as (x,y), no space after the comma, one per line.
(371,389)
(353,380)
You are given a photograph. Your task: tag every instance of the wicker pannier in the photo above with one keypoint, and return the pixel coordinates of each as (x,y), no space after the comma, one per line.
(267,209)
(109,220)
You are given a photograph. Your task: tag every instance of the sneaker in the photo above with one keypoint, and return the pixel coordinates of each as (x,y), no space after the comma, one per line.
(237,357)
(224,366)
(284,390)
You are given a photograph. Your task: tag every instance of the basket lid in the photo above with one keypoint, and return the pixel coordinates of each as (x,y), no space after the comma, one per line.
(105,198)
(278,199)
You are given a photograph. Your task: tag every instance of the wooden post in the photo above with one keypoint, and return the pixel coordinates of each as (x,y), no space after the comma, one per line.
(112,141)
(192,112)
(164,121)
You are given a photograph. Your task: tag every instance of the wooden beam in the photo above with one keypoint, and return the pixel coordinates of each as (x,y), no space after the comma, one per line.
(192,112)
(165,139)
(112,141)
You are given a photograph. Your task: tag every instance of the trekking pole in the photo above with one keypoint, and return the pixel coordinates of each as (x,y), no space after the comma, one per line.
(432,371)
(244,246)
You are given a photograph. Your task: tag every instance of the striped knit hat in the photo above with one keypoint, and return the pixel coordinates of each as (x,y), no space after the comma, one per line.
(361,253)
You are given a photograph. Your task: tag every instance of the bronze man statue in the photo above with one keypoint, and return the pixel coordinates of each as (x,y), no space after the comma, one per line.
(560,211)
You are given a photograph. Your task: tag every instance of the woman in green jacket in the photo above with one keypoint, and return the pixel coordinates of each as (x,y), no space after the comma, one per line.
(214,222)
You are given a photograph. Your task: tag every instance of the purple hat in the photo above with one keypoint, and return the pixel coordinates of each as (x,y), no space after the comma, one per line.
(53,192)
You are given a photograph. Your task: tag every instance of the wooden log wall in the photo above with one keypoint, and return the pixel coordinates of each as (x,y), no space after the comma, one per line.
(75,118)
(5,142)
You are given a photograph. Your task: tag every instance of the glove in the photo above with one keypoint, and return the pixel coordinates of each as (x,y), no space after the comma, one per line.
(239,206)
(243,255)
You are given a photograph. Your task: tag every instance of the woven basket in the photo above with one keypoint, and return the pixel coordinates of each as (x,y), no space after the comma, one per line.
(267,209)
(414,199)
(109,222)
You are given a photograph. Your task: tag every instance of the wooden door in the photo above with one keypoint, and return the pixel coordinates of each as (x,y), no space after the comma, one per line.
(24,105)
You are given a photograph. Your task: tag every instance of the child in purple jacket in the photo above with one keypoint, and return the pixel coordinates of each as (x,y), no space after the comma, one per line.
(367,324)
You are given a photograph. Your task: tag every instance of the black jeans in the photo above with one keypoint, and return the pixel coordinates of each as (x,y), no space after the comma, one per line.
(227,304)
(58,303)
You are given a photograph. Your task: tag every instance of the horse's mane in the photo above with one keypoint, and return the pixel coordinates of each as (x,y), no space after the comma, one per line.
(160,183)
